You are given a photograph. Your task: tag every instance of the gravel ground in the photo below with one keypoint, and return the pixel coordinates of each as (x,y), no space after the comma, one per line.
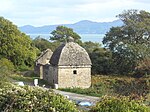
(78,97)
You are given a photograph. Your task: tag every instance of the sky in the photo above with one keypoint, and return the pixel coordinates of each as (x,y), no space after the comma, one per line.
(50,12)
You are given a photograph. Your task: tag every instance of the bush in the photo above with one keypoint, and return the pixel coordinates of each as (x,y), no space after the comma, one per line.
(32,99)
(6,65)
(120,104)
(143,68)
(23,68)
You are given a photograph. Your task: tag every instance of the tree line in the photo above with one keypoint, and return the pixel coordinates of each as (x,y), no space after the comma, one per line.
(126,48)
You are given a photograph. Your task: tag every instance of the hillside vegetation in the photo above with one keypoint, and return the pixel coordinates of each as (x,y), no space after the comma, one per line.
(117,86)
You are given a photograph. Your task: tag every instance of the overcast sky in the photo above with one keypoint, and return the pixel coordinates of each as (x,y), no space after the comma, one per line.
(48,12)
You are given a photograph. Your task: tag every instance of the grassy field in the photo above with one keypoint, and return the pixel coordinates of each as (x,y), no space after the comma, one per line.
(27,78)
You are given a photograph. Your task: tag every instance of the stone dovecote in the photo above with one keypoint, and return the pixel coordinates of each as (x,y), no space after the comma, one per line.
(69,66)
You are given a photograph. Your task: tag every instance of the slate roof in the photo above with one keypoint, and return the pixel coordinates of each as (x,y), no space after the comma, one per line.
(70,54)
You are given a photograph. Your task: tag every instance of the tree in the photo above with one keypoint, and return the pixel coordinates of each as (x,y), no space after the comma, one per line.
(91,46)
(15,45)
(129,43)
(62,33)
(101,58)
(43,44)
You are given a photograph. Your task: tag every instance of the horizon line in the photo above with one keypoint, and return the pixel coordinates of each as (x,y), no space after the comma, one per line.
(68,23)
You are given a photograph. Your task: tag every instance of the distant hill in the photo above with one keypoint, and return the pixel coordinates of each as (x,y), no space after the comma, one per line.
(81,27)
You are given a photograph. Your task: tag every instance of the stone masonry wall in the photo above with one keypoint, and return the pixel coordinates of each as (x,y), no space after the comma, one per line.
(68,78)
(50,74)
(46,72)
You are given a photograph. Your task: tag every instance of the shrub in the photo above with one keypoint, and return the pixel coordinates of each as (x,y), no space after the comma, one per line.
(33,99)
(143,68)
(23,68)
(120,104)
(6,65)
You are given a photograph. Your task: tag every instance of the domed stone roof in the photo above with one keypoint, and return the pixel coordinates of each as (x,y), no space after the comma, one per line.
(70,54)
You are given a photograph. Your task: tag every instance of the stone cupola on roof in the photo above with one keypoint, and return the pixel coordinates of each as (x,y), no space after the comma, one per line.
(70,54)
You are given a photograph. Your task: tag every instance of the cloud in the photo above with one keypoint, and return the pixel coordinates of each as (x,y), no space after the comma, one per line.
(142,1)
(42,12)
(5,5)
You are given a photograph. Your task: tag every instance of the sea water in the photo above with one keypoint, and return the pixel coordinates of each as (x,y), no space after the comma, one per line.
(84,37)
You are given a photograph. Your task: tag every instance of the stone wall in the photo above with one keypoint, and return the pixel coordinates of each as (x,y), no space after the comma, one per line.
(46,72)
(74,77)
(50,74)
(38,69)
(66,76)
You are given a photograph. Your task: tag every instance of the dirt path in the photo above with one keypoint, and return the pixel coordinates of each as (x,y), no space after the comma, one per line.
(78,97)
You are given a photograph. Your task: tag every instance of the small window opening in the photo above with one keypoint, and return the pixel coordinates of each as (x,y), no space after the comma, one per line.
(74,71)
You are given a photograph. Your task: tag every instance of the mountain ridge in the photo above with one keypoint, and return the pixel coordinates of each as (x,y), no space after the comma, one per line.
(81,27)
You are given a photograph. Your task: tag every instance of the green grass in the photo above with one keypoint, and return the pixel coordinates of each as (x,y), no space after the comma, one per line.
(19,77)
(28,79)
(90,91)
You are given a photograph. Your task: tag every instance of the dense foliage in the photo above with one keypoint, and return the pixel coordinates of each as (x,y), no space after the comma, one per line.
(143,67)
(32,99)
(120,104)
(101,58)
(6,65)
(130,43)
(43,44)
(14,45)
